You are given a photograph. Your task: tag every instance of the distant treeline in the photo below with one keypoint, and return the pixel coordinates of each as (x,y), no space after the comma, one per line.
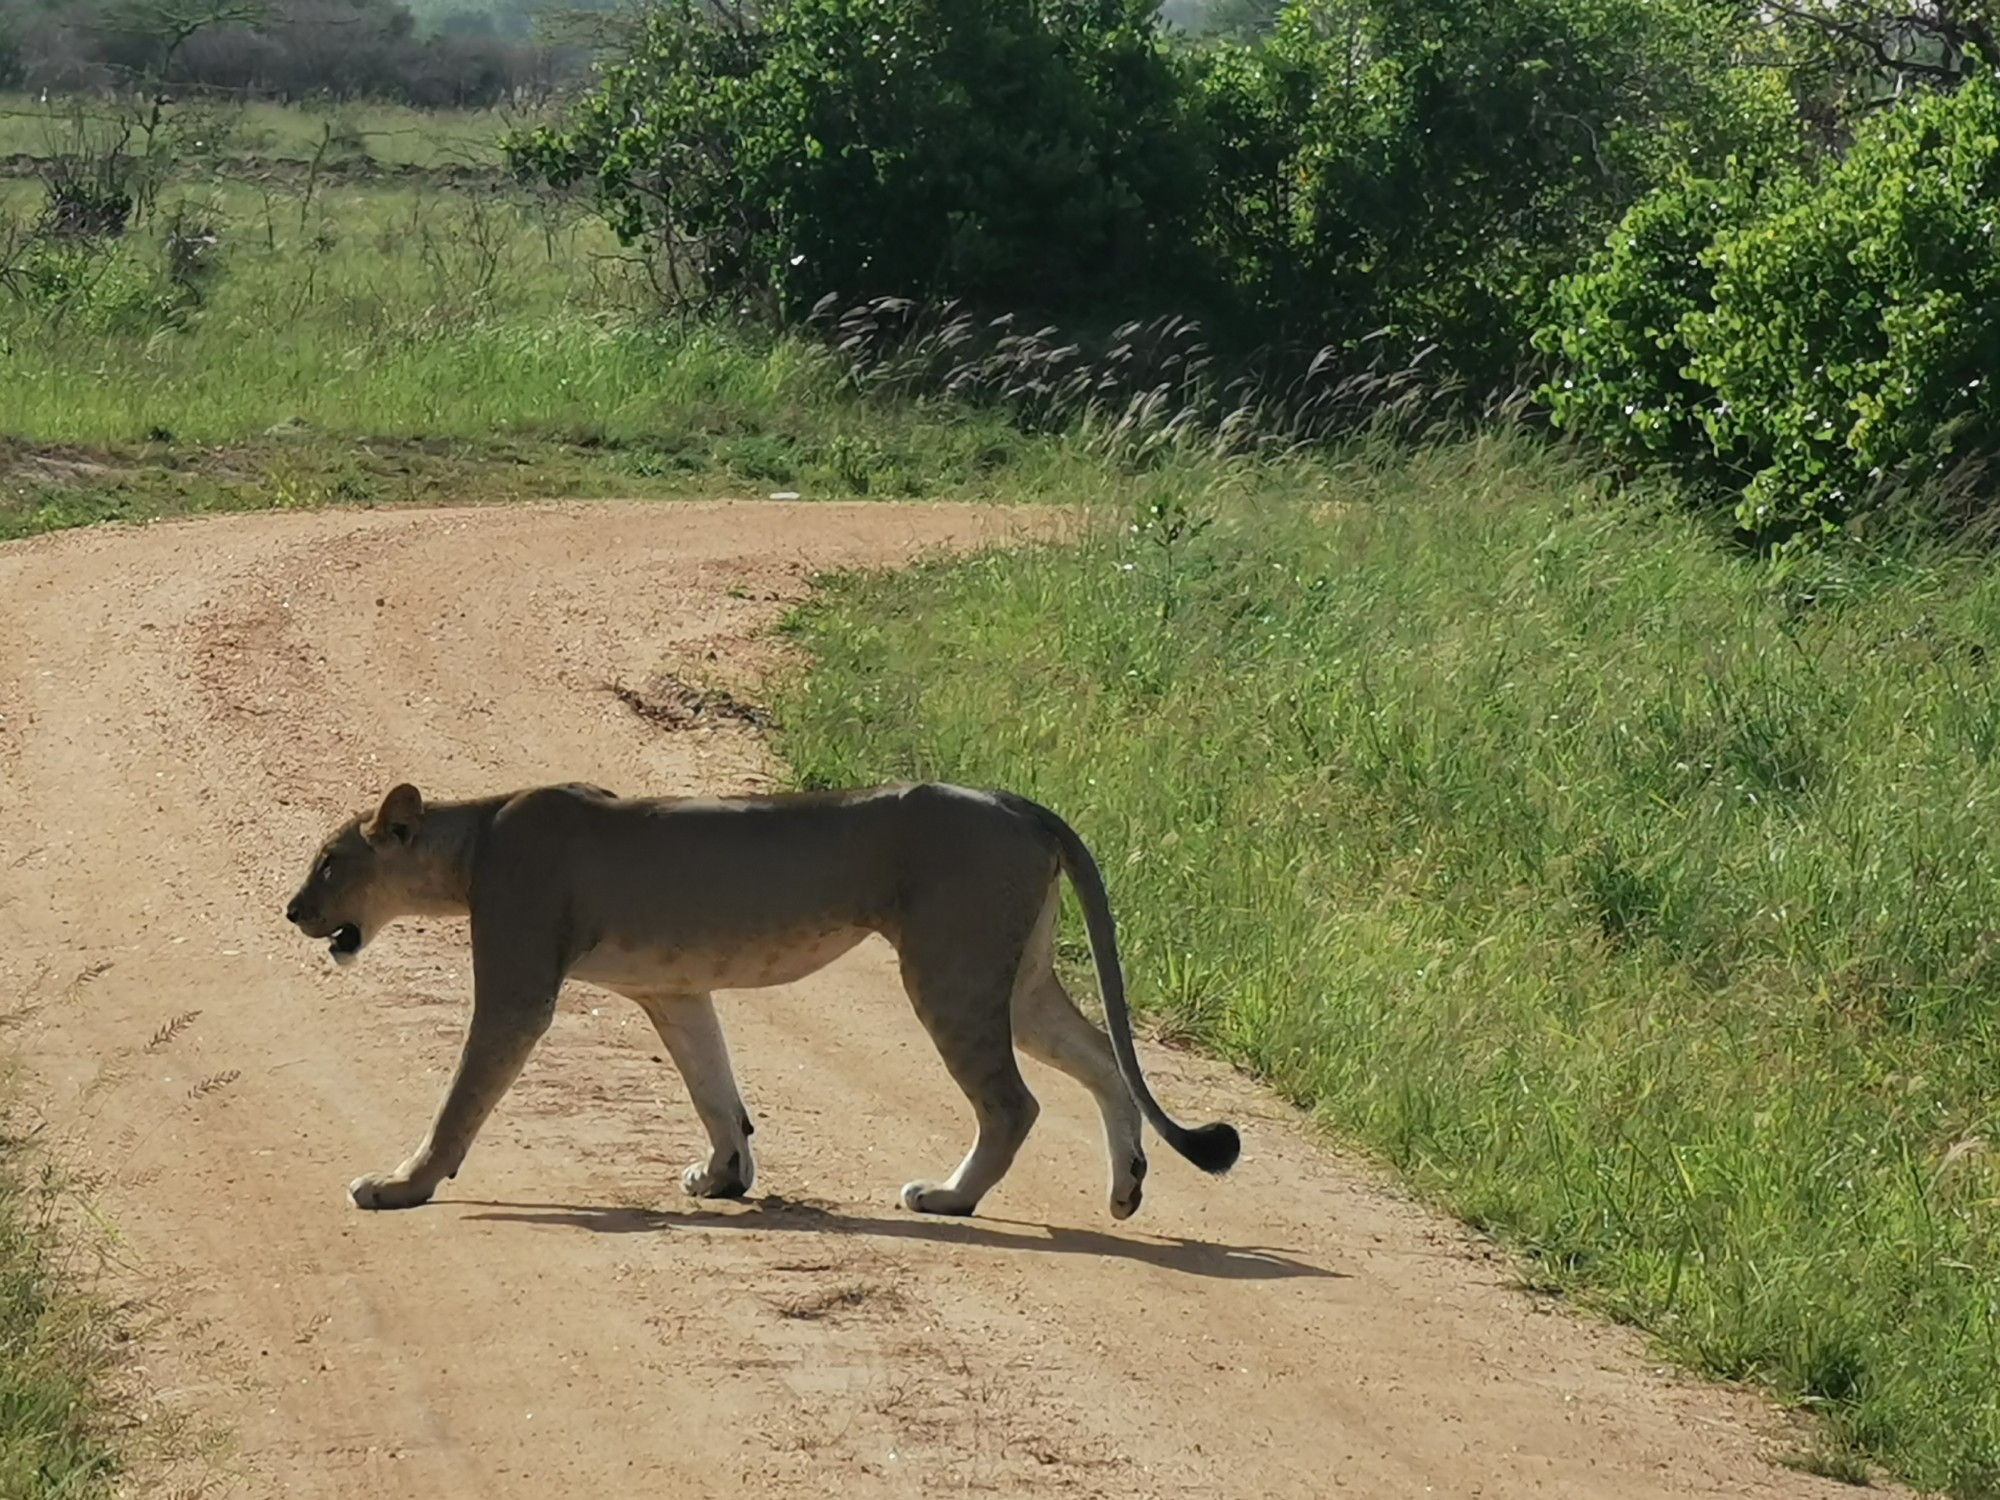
(285,49)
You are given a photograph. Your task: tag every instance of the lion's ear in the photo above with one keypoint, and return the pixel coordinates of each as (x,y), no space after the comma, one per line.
(397,818)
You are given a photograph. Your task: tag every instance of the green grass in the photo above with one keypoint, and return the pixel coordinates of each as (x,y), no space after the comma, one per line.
(200,133)
(55,1353)
(375,343)
(1638,904)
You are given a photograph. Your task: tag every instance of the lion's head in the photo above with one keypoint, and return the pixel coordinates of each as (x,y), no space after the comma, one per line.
(369,872)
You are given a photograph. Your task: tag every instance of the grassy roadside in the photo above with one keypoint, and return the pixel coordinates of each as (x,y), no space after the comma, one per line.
(1634,904)
(56,1353)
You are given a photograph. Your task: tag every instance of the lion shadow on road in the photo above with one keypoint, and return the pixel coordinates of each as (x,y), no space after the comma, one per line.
(791,1215)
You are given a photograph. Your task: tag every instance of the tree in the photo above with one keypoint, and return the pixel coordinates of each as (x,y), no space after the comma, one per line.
(1902,43)
(1410,173)
(1241,20)
(1021,154)
(13,58)
(156,30)
(1804,345)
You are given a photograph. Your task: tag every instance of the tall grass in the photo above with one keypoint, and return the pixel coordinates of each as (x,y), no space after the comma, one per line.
(300,322)
(367,309)
(55,1353)
(1637,904)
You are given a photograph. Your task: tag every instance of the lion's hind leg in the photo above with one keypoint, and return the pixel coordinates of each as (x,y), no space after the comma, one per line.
(962,992)
(1049,1028)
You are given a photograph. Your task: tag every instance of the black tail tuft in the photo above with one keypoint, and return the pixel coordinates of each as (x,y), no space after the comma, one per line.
(1213,1148)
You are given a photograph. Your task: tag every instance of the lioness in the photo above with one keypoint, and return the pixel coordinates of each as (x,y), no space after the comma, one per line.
(665,900)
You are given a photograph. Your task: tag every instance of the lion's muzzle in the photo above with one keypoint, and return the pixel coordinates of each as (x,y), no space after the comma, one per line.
(344,939)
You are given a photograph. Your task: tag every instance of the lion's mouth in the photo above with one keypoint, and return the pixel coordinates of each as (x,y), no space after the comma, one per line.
(346,942)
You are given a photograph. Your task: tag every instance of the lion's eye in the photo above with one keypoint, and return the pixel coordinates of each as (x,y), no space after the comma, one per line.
(325,871)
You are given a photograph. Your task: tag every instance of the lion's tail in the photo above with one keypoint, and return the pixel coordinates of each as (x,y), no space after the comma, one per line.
(1213,1148)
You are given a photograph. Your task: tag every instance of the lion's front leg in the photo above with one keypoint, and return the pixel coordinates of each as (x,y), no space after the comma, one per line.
(498,1040)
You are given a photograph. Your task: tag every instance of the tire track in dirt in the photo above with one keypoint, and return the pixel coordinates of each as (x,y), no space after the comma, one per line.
(187,707)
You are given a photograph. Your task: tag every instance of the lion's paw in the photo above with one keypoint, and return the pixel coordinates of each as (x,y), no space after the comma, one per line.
(706,1180)
(932,1198)
(387,1190)
(1127,1195)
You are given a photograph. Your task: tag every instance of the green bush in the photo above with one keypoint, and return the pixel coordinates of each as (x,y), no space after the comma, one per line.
(96,287)
(1423,171)
(1623,358)
(13,65)
(1805,347)
(1375,176)
(1019,153)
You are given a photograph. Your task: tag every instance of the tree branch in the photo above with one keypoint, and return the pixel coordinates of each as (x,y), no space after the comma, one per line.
(1872,33)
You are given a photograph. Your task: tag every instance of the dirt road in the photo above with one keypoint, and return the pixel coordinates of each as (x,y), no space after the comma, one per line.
(185,708)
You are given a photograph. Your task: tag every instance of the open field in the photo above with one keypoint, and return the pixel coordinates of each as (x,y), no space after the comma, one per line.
(243,135)
(364,342)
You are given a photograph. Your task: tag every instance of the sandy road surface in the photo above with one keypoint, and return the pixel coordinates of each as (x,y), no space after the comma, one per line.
(183,710)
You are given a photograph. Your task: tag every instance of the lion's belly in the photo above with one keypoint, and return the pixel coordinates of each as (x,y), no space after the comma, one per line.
(690,968)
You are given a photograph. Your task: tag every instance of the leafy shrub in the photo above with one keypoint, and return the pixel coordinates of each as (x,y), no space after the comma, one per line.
(1818,344)
(1424,171)
(1377,178)
(87,202)
(1619,332)
(79,282)
(13,62)
(97,286)
(1021,153)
